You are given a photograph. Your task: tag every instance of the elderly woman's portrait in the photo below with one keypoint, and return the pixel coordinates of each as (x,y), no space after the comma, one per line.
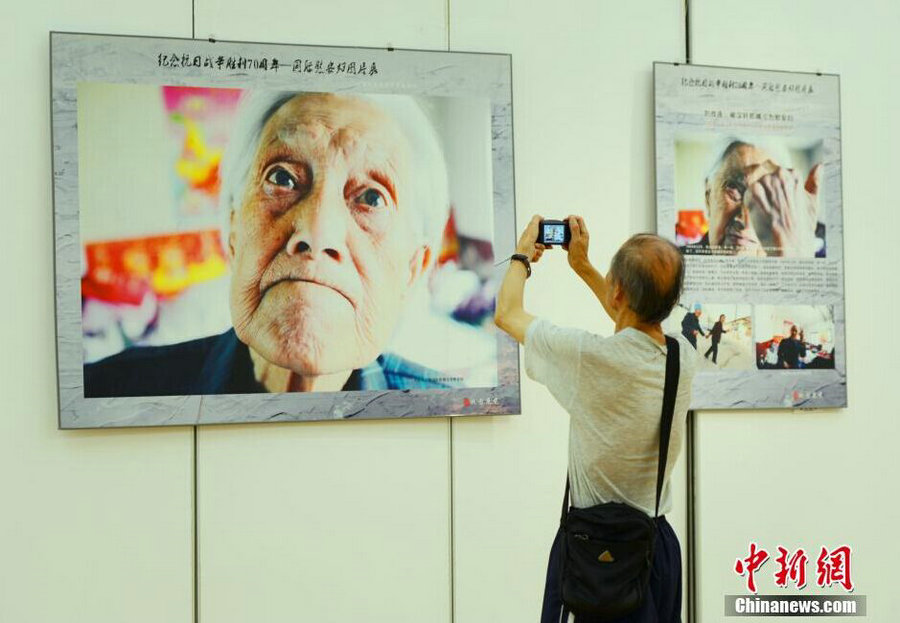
(256,241)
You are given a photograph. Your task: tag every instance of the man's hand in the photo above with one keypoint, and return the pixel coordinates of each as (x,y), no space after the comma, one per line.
(578,260)
(528,245)
(786,206)
(578,244)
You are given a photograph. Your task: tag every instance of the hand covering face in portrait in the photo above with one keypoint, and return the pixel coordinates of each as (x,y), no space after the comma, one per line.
(758,206)
(335,205)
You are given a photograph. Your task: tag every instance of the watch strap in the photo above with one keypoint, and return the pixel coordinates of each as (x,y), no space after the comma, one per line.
(524,259)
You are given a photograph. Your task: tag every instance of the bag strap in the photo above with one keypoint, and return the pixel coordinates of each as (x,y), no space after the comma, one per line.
(670,390)
(673,369)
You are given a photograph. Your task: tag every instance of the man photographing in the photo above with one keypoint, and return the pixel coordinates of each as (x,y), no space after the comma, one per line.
(612,388)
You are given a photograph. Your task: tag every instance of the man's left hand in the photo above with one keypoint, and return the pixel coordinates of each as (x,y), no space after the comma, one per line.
(528,244)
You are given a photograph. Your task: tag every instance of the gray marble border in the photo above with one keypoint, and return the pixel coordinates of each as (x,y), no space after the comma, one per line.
(121,59)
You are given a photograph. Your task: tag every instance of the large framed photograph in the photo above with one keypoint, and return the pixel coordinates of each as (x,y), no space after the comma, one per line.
(748,171)
(250,232)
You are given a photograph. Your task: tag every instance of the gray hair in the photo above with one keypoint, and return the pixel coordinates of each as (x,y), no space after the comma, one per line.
(430,192)
(650,271)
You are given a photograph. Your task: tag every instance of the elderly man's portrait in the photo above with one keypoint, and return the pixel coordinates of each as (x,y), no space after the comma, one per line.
(258,241)
(749,196)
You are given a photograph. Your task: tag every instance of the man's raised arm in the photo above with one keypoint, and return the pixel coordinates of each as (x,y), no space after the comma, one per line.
(578,260)
(510,315)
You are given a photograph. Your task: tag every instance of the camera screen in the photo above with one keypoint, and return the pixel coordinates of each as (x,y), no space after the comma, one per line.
(555,233)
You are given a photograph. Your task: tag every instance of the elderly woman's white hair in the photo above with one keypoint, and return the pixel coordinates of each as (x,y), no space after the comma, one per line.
(430,195)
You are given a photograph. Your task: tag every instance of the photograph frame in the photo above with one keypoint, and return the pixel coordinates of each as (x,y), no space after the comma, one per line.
(733,103)
(83,57)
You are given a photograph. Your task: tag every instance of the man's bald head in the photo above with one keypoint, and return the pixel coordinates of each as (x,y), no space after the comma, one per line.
(650,271)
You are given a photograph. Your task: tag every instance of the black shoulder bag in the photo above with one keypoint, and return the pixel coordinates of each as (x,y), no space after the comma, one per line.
(608,549)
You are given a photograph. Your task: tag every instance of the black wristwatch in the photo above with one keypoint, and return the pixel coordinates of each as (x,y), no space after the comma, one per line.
(524,259)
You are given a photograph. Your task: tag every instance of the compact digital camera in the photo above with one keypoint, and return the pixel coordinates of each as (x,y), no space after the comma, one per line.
(554,233)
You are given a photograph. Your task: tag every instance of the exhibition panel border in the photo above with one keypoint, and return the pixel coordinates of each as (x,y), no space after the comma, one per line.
(130,272)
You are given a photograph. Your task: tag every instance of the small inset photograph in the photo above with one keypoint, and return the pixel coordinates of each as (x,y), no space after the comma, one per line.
(794,337)
(721,333)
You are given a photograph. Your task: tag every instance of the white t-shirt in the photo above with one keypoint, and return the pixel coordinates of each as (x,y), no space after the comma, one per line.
(613,389)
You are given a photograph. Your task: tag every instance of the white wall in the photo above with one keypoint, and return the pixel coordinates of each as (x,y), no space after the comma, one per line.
(827,477)
(94,525)
(353,520)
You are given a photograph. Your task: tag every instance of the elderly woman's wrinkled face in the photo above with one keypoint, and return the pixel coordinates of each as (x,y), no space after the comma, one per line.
(325,241)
